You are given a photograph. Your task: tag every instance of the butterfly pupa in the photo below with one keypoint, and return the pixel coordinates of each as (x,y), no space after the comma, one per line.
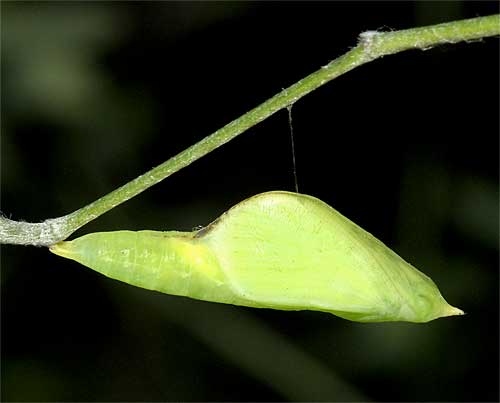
(277,250)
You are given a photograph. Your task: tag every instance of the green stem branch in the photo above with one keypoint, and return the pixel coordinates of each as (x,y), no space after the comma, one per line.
(371,45)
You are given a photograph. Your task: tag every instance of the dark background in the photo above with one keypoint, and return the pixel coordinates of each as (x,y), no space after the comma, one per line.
(95,94)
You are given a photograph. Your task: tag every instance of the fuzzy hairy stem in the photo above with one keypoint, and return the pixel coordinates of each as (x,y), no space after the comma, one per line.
(371,45)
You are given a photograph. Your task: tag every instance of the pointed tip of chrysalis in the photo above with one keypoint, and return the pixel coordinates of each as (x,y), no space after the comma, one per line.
(452,311)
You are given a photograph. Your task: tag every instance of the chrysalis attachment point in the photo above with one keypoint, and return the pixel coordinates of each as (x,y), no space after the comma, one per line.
(61,249)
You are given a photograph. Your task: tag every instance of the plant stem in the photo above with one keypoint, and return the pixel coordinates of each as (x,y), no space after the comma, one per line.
(371,45)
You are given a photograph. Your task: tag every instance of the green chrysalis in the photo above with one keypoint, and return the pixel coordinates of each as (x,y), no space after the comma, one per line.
(276,250)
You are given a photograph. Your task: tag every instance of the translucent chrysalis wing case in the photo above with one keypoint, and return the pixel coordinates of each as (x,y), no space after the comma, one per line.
(276,250)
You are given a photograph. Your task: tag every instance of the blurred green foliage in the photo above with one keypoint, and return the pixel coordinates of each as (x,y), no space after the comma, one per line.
(94,94)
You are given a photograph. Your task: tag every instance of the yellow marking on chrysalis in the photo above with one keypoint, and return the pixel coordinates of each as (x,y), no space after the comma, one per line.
(199,257)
